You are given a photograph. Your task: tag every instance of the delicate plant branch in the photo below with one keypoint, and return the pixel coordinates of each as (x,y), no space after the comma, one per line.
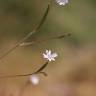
(45,40)
(41,68)
(30,33)
(48,55)
(23,43)
(39,71)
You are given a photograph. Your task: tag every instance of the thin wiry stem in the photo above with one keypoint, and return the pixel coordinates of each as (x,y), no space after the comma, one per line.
(29,34)
(45,40)
(12,76)
(41,68)
(39,71)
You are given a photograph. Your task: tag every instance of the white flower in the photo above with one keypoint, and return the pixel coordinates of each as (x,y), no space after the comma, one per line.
(49,55)
(62,2)
(34,79)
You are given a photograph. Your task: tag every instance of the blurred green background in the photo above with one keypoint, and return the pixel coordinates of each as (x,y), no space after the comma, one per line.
(74,69)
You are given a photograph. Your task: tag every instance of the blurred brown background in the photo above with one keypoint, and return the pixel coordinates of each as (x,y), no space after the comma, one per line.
(74,71)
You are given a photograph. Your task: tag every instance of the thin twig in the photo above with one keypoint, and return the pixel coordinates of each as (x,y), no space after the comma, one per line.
(45,40)
(20,75)
(24,75)
(41,68)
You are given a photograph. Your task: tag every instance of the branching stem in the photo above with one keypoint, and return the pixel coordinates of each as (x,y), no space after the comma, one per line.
(38,26)
(39,71)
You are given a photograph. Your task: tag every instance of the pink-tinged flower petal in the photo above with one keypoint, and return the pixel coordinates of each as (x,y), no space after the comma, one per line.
(49,52)
(54,55)
(45,56)
(46,51)
(52,59)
